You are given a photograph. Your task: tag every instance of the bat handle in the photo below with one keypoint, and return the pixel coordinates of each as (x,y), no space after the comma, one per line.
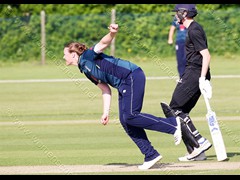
(207,102)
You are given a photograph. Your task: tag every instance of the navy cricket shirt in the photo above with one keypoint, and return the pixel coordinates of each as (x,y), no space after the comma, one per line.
(103,68)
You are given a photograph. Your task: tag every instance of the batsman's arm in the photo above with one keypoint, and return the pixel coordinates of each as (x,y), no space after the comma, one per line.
(205,62)
(107,96)
(107,39)
(204,84)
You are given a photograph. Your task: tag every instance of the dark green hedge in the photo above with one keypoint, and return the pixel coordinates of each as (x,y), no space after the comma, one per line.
(141,35)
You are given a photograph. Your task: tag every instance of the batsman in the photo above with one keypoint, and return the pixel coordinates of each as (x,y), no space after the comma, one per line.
(194,82)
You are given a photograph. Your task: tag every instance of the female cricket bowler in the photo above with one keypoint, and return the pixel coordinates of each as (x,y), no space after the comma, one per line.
(129,79)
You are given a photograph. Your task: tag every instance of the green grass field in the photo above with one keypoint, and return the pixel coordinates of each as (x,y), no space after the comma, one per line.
(40,120)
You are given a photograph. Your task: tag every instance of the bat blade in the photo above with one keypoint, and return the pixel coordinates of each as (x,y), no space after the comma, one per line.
(216,134)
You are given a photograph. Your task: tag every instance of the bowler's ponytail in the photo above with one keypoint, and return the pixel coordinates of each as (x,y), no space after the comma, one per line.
(76,47)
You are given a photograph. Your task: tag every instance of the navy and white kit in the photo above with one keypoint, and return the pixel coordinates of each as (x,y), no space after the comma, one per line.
(129,80)
(180,46)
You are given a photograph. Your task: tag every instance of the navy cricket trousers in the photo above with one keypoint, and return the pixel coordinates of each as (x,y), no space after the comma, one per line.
(131,95)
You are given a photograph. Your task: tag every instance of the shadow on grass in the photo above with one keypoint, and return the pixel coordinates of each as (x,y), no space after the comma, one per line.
(229,155)
(122,164)
(155,166)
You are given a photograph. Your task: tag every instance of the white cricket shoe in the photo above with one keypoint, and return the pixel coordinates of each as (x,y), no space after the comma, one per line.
(178,133)
(149,164)
(200,157)
(203,146)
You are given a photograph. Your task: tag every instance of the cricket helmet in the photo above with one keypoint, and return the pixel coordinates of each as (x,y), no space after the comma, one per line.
(190,9)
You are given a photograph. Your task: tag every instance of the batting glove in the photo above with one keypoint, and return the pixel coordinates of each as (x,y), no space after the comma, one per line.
(205,87)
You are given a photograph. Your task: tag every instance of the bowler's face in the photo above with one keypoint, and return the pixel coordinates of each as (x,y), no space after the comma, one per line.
(68,57)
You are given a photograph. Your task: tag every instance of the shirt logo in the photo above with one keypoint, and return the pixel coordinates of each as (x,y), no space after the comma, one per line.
(87,68)
(181,27)
(180,80)
(98,66)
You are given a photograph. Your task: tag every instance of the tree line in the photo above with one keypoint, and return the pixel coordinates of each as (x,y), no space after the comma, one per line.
(143,35)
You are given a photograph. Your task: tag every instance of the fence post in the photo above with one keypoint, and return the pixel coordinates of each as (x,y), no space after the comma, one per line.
(43,37)
(113,17)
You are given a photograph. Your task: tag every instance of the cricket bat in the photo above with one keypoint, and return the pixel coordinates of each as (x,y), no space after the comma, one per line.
(215,132)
